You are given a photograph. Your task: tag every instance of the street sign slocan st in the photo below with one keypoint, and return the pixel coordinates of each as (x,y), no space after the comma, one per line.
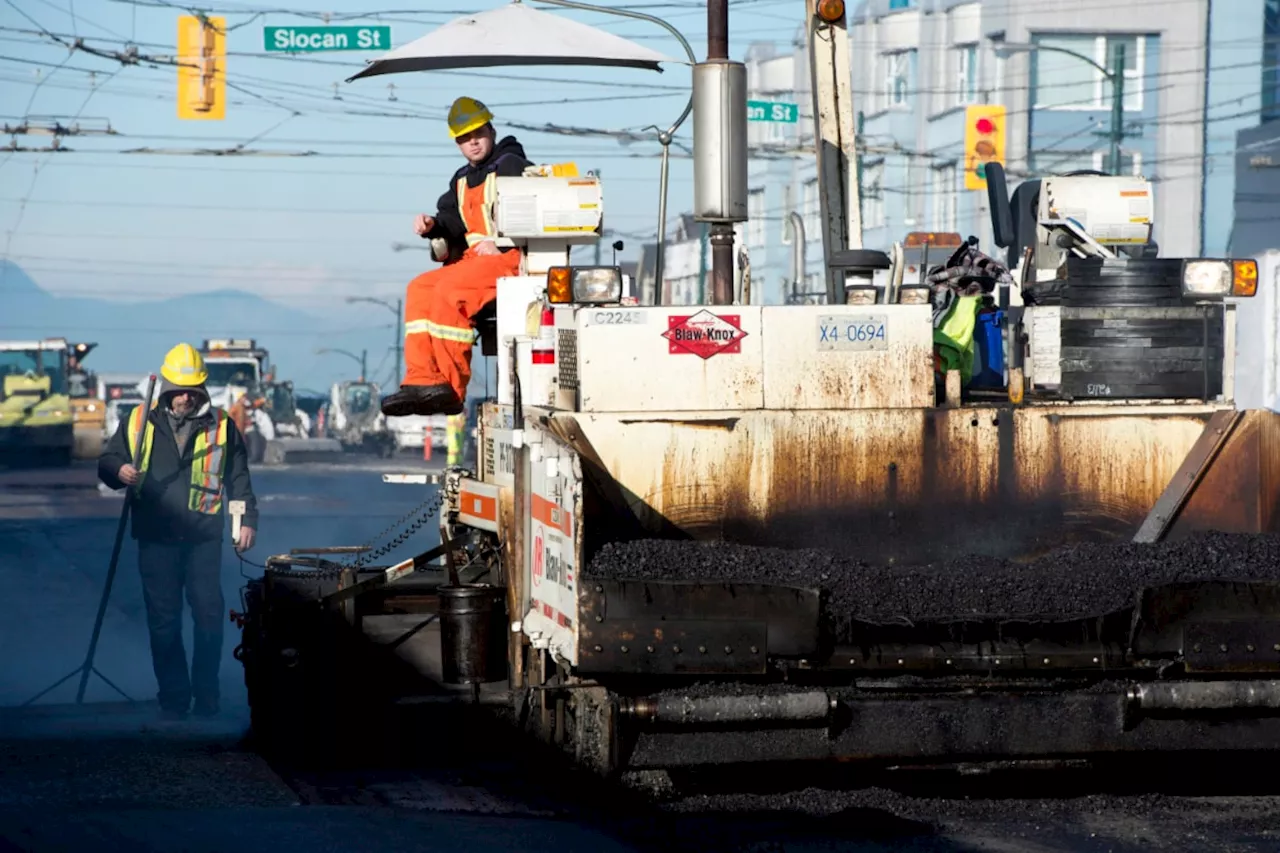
(773,111)
(308,39)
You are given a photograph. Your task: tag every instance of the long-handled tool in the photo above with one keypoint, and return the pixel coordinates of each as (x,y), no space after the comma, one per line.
(87,667)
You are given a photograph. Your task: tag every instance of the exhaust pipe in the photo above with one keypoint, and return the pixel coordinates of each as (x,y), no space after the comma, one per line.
(813,706)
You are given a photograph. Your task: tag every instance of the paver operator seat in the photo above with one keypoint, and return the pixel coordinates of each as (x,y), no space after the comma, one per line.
(543,215)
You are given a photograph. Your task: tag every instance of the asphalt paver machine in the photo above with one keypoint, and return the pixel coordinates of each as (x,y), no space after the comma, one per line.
(712,534)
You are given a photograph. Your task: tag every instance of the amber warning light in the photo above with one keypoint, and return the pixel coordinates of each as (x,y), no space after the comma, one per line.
(831,11)
(935,239)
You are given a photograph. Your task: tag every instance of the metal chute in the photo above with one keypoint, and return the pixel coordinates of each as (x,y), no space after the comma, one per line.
(514,35)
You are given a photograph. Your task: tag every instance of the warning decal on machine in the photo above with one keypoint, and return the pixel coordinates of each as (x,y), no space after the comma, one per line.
(537,561)
(704,334)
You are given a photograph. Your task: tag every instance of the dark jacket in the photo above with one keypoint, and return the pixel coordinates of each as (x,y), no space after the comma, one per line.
(507,160)
(160,512)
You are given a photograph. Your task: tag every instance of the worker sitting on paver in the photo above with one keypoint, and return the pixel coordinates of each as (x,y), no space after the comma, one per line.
(439,305)
(192,457)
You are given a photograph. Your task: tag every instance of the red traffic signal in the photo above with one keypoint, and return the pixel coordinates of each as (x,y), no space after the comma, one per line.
(984,142)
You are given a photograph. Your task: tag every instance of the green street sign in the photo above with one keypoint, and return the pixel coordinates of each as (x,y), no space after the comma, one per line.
(309,39)
(770,111)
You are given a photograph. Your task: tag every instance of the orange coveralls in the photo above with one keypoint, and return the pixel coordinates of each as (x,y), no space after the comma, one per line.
(439,305)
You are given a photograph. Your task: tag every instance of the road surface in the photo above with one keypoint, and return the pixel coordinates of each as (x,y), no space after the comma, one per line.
(108,776)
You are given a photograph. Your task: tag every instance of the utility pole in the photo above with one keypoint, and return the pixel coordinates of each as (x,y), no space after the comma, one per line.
(598,242)
(397,331)
(364,365)
(721,232)
(1117,106)
(398,334)
(859,135)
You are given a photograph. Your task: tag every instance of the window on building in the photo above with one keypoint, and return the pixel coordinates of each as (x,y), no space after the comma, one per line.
(943,194)
(895,5)
(873,195)
(755,218)
(897,78)
(1063,81)
(966,81)
(1271,60)
(811,210)
(1130,162)
(1047,163)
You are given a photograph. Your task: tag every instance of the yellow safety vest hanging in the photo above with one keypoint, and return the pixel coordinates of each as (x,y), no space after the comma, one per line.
(953,343)
(454,427)
(208,458)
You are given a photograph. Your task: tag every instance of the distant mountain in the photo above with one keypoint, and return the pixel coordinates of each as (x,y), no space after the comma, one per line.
(14,278)
(134,336)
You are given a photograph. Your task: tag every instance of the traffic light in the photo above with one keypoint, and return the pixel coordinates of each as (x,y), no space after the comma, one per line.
(202,72)
(984,137)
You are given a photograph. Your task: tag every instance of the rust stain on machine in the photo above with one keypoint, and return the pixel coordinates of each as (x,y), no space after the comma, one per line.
(918,483)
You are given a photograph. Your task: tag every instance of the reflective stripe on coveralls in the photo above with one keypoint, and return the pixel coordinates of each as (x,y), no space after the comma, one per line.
(207,459)
(439,305)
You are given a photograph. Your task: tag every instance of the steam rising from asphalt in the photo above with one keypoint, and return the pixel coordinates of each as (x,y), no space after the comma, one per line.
(52,572)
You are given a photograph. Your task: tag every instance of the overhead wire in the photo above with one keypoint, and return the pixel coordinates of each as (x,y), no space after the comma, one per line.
(38,165)
(302,59)
(905,153)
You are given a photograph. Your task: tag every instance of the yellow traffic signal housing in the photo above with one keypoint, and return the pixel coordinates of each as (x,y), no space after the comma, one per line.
(984,139)
(202,72)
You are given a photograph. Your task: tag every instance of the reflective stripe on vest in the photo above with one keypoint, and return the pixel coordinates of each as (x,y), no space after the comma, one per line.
(475,204)
(208,459)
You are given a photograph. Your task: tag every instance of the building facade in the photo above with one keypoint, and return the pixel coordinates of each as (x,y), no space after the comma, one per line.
(917,65)
(1256,224)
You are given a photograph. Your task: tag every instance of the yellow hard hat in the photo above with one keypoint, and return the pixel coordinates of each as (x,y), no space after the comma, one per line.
(184,366)
(466,115)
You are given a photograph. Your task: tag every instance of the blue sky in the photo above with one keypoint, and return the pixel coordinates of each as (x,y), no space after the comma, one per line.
(306,231)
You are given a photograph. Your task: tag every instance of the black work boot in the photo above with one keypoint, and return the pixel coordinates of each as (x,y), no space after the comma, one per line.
(422,400)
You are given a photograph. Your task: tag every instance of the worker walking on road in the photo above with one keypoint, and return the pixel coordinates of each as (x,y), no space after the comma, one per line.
(439,305)
(193,460)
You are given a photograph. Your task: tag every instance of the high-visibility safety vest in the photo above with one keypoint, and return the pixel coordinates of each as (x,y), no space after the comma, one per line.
(454,426)
(476,206)
(208,458)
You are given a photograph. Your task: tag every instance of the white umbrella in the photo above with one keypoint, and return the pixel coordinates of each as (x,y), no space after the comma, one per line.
(514,35)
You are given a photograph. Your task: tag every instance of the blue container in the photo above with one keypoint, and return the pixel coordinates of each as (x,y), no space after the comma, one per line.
(988,372)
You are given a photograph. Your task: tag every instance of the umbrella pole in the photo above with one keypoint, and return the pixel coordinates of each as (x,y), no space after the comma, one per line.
(659,255)
(664,136)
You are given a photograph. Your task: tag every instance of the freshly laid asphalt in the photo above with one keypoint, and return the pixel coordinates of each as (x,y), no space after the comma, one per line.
(109,776)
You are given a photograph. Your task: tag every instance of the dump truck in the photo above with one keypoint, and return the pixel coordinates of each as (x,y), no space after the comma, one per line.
(722,534)
(120,392)
(36,421)
(241,381)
